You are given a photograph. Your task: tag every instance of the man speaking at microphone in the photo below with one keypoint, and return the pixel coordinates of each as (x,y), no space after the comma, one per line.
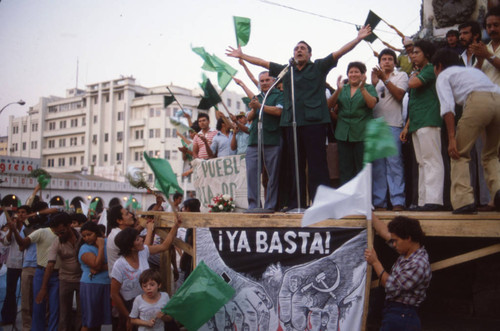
(311,110)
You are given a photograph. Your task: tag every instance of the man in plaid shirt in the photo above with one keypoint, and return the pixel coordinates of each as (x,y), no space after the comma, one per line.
(410,275)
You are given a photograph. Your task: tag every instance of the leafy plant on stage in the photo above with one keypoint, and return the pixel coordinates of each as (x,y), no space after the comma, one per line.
(222,203)
(42,176)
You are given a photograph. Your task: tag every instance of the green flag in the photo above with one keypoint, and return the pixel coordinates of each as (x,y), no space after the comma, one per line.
(225,72)
(167,100)
(370,38)
(67,204)
(208,64)
(211,97)
(372,19)
(43,180)
(246,101)
(379,141)
(93,204)
(165,177)
(242,29)
(203,292)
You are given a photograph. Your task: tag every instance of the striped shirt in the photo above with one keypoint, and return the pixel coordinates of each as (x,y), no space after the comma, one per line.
(202,150)
(409,279)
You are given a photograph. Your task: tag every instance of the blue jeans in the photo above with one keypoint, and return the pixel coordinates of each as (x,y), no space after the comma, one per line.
(38,321)
(398,317)
(9,309)
(388,174)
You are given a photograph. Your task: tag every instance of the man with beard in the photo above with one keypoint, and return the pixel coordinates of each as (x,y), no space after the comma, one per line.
(489,55)
(470,33)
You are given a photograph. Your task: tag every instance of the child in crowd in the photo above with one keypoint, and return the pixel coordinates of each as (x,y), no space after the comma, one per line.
(146,310)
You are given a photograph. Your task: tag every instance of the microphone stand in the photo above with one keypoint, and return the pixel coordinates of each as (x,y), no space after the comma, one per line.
(299,209)
(259,209)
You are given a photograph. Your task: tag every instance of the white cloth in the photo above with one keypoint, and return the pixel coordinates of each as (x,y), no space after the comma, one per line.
(147,311)
(489,69)
(388,107)
(468,63)
(128,276)
(111,248)
(15,258)
(454,84)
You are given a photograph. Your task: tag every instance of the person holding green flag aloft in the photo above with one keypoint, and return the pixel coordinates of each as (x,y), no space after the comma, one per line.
(312,114)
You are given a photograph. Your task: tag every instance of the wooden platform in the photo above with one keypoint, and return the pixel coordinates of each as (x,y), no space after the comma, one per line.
(434,224)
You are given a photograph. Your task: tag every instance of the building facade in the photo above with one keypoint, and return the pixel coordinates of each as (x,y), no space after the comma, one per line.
(105,128)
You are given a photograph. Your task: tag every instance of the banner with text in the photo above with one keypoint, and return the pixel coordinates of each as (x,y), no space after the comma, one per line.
(287,279)
(222,175)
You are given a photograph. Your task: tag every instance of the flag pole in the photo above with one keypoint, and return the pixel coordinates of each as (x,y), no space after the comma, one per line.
(180,105)
(369,237)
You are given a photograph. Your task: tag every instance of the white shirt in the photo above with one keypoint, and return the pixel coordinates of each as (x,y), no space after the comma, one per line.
(128,276)
(147,311)
(15,257)
(388,107)
(111,249)
(454,84)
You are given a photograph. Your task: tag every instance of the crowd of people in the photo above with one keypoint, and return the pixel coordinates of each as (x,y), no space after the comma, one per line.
(429,172)
(110,272)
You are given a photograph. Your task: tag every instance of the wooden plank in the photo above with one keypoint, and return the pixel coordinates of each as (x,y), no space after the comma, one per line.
(177,242)
(437,224)
(462,258)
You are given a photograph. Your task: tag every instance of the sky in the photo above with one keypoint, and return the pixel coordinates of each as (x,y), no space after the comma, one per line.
(43,40)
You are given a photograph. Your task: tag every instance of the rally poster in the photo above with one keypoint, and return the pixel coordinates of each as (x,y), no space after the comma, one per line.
(287,278)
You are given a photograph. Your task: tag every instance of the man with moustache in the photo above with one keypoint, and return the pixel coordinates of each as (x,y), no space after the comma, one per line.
(489,55)
(312,114)
(470,33)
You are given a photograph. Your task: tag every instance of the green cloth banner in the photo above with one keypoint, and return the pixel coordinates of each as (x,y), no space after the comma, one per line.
(242,29)
(166,180)
(379,141)
(198,299)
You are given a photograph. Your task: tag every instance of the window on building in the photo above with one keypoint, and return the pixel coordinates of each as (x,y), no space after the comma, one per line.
(174,155)
(73,141)
(62,125)
(74,122)
(72,160)
(82,158)
(15,129)
(120,95)
(34,127)
(61,161)
(94,139)
(151,133)
(50,162)
(52,143)
(106,137)
(119,156)
(94,158)
(167,155)
(139,134)
(238,105)
(119,135)
(150,153)
(24,146)
(34,144)
(83,140)
(95,118)
(157,133)
(106,96)
(62,142)
(120,116)
(138,156)
(25,128)
(174,132)
(84,121)
(151,112)
(15,147)
(158,112)
(228,102)
(52,126)
(105,157)
(167,133)
(95,100)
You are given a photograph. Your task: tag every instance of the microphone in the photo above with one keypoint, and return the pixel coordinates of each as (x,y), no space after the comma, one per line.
(285,70)
(292,62)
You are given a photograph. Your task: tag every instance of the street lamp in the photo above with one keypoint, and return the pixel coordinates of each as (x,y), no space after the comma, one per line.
(20,102)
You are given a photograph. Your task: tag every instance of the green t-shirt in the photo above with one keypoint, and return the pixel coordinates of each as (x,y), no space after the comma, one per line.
(271,131)
(310,88)
(353,114)
(423,107)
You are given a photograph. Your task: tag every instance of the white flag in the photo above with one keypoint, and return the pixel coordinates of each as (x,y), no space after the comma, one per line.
(85,209)
(352,198)
(104,218)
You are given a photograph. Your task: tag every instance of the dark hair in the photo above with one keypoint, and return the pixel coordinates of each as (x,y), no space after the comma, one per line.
(114,202)
(201,115)
(360,65)
(308,47)
(61,218)
(446,58)
(388,51)
(150,274)
(9,200)
(124,240)
(219,124)
(114,214)
(452,32)
(495,11)
(427,48)
(177,195)
(405,227)
(80,218)
(26,208)
(475,28)
(92,227)
(195,127)
(193,205)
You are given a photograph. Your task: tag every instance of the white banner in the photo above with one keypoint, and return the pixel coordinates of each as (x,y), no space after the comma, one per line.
(222,175)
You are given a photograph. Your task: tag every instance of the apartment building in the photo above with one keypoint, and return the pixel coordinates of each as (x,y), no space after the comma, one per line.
(105,128)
